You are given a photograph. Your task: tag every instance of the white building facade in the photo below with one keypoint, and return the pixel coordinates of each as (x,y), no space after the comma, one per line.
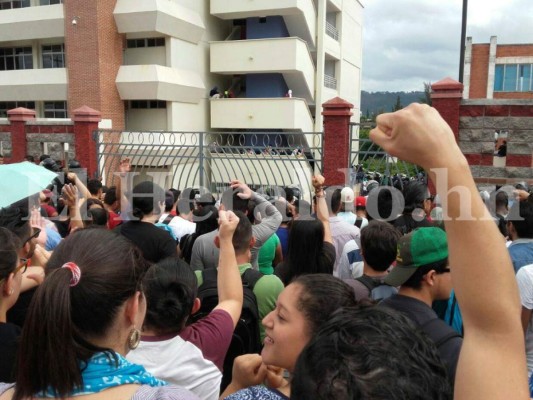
(166,56)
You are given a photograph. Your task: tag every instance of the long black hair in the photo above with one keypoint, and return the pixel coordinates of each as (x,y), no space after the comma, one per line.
(62,320)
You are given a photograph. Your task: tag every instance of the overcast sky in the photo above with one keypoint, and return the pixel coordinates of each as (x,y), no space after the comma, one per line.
(408,42)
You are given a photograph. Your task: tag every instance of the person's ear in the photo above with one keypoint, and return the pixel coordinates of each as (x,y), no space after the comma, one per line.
(131,312)
(429,278)
(196,305)
(217,242)
(252,241)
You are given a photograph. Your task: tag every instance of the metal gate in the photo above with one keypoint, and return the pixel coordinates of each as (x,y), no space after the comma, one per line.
(371,162)
(209,161)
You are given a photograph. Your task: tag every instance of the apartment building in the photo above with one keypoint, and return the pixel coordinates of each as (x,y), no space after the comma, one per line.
(498,71)
(151,64)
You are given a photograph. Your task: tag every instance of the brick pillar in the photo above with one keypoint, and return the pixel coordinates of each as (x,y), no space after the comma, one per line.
(336,157)
(85,123)
(18,117)
(446,98)
(94,54)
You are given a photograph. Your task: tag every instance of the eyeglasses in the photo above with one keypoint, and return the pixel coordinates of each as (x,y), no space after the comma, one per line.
(444,270)
(36,233)
(22,267)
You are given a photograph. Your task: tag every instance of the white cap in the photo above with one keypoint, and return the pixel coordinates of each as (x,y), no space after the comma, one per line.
(347,195)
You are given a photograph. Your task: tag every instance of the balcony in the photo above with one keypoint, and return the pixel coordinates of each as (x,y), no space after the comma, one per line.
(299,15)
(156,82)
(288,56)
(31,23)
(271,113)
(159,16)
(33,84)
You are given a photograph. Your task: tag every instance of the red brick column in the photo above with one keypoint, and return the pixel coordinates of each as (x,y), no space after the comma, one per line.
(336,157)
(18,117)
(85,123)
(446,98)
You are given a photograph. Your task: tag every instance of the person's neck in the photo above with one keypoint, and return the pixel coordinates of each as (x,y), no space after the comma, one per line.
(422,295)
(360,213)
(369,271)
(244,258)
(3,313)
(151,218)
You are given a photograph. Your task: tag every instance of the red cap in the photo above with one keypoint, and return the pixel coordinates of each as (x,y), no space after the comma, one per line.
(360,201)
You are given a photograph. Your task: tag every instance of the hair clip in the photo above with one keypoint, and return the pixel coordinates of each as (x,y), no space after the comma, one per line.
(76,273)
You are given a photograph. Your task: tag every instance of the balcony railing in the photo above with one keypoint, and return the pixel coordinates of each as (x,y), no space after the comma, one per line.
(330,82)
(332,31)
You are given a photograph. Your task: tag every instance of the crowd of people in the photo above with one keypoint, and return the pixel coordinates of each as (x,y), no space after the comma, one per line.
(147,293)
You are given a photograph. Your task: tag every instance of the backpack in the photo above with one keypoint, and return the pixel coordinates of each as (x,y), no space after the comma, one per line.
(377,288)
(246,336)
(433,328)
(167,219)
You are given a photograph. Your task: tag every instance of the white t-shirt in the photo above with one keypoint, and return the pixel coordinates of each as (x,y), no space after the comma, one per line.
(193,359)
(179,226)
(524,277)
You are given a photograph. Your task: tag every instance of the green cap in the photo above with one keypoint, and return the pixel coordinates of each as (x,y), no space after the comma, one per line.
(420,247)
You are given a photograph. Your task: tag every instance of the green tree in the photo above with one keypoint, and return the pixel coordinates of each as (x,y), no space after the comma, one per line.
(398,105)
(427,94)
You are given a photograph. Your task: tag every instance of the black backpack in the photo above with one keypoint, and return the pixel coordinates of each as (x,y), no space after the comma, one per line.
(377,288)
(246,336)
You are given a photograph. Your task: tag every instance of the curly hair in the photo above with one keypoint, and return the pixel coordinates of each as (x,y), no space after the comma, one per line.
(369,352)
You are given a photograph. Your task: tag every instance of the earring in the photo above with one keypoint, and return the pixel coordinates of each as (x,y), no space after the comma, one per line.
(134,339)
(11,291)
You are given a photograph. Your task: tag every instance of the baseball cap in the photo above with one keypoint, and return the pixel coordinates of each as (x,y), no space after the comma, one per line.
(347,195)
(360,201)
(420,247)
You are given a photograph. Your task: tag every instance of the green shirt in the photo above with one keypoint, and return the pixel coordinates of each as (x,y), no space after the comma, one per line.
(267,253)
(266,292)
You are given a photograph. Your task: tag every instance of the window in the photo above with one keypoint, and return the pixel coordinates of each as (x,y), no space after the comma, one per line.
(513,78)
(55,109)
(148,42)
(12,58)
(138,104)
(9,105)
(50,2)
(54,56)
(9,4)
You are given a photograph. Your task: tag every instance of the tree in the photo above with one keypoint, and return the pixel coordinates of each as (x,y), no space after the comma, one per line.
(427,94)
(398,105)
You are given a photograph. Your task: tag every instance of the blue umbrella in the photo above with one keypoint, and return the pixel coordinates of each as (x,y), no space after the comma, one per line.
(21,180)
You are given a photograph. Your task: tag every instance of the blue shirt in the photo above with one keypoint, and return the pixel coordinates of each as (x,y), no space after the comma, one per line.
(521,252)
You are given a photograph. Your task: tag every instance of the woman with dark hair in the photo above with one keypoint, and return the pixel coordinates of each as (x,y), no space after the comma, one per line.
(155,244)
(192,355)
(417,207)
(83,320)
(300,312)
(206,219)
(311,249)
(11,270)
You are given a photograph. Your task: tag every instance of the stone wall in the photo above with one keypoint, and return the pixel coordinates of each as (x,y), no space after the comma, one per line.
(475,122)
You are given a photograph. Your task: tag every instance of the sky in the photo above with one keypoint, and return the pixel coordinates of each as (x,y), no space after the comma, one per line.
(409,42)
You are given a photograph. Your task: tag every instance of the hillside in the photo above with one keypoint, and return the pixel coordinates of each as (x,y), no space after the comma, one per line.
(378,102)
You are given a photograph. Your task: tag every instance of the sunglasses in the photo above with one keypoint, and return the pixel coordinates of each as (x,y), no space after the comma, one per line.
(22,267)
(36,233)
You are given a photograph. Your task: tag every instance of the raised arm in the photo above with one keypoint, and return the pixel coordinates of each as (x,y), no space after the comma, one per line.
(229,282)
(492,362)
(322,212)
